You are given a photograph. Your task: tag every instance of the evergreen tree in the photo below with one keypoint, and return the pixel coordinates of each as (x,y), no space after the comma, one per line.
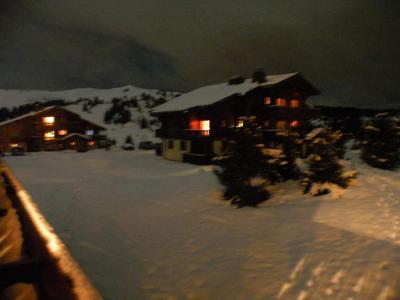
(290,143)
(324,164)
(381,142)
(244,169)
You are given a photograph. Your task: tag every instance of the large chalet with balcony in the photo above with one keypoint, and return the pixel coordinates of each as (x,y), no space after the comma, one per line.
(195,124)
(52,128)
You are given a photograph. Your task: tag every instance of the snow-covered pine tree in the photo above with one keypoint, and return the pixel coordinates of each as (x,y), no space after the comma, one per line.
(244,169)
(381,142)
(325,168)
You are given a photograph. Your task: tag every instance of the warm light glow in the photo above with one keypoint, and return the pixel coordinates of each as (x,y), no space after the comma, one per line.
(62,132)
(14,145)
(280,102)
(294,123)
(72,143)
(91,143)
(49,136)
(239,123)
(294,103)
(194,125)
(267,100)
(49,120)
(205,125)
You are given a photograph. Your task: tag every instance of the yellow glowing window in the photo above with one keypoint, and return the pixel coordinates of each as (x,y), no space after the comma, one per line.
(48,120)
(280,102)
(62,132)
(50,135)
(267,101)
(205,125)
(239,123)
(294,103)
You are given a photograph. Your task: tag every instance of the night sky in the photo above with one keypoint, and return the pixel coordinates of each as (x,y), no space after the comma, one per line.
(348,48)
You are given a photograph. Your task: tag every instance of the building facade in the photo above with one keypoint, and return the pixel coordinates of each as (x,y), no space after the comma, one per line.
(195,124)
(46,130)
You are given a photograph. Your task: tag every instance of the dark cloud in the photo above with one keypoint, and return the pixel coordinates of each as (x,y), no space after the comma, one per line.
(347,47)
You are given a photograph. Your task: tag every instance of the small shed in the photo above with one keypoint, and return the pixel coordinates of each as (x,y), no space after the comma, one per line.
(77,141)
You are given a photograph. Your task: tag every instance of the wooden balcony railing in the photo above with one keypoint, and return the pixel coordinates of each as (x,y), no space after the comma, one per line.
(34,262)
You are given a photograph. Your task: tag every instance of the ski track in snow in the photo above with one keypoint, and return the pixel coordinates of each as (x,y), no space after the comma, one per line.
(146,228)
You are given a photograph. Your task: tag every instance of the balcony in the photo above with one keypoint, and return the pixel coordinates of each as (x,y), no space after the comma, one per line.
(177,133)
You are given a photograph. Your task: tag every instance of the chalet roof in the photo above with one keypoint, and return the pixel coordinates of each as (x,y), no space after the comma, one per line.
(33,113)
(83,136)
(211,94)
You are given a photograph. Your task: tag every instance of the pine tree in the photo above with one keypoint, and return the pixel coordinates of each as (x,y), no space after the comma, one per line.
(324,165)
(244,169)
(381,142)
(290,143)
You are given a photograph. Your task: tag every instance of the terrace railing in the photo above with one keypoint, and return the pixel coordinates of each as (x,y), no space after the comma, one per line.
(34,262)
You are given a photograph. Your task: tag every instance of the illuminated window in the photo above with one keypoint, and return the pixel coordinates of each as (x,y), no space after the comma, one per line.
(294,103)
(267,101)
(14,145)
(239,123)
(194,125)
(91,143)
(49,136)
(62,132)
(48,120)
(280,102)
(294,123)
(205,127)
(89,132)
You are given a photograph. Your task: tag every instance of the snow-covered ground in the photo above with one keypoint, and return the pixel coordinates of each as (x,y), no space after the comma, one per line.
(146,228)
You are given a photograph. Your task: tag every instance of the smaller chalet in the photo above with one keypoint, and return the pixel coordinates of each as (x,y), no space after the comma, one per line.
(52,128)
(195,124)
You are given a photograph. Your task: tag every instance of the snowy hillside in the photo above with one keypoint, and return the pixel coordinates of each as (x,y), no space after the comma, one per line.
(14,98)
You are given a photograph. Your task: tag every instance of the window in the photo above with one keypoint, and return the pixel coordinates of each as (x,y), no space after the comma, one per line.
(267,101)
(49,136)
(294,123)
(280,102)
(170,144)
(62,132)
(294,103)
(205,125)
(183,145)
(48,120)
(239,123)
(89,132)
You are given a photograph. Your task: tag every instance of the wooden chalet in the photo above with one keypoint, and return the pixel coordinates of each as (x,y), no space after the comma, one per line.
(46,129)
(195,124)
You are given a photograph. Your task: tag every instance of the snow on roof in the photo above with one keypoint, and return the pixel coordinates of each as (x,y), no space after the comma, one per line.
(84,136)
(26,115)
(211,94)
(43,110)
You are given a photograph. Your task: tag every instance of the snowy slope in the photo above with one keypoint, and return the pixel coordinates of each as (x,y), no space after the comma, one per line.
(13,98)
(145,228)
